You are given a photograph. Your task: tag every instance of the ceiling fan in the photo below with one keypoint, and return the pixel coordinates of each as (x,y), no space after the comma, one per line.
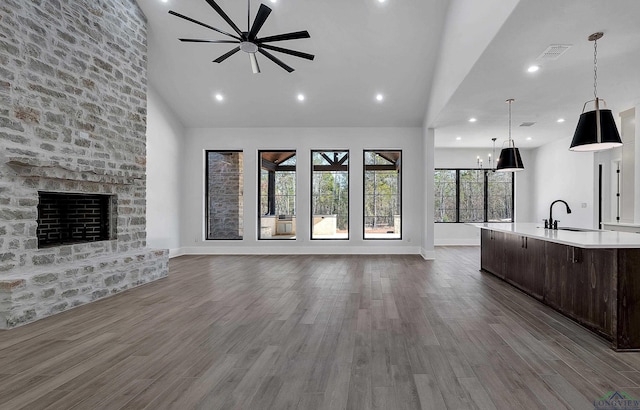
(248,41)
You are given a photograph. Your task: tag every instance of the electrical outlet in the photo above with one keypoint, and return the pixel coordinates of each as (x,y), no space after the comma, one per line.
(584,205)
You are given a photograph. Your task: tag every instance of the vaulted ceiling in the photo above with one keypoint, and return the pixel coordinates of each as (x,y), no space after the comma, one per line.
(437,62)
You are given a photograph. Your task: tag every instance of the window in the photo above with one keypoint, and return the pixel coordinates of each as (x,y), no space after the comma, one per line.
(446,194)
(330,195)
(224,195)
(473,195)
(500,196)
(382,188)
(277,199)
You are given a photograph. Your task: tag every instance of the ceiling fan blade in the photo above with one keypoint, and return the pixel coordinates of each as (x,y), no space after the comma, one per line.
(261,17)
(254,63)
(226,18)
(287,36)
(202,24)
(195,40)
(288,51)
(275,60)
(226,55)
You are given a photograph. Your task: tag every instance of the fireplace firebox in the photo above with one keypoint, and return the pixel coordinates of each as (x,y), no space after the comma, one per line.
(69,218)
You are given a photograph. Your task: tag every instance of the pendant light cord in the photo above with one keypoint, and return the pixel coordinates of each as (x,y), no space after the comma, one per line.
(595,68)
(510,101)
(248,16)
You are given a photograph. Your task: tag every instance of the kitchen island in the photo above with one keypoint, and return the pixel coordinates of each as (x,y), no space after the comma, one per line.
(593,277)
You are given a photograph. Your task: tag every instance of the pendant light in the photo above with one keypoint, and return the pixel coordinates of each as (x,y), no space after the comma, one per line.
(596,130)
(509,160)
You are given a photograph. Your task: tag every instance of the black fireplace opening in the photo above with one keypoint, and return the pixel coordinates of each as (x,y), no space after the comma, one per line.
(70,218)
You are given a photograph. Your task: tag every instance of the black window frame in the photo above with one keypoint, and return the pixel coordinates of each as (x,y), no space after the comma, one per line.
(486,195)
(348,195)
(259,193)
(206,195)
(400,188)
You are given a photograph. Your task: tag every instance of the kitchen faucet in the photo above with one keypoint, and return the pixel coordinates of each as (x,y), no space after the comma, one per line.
(551,224)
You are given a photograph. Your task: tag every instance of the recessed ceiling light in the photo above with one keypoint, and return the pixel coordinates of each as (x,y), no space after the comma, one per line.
(164,1)
(533,68)
(458,138)
(472,119)
(528,138)
(219,97)
(274,1)
(560,119)
(379,97)
(300,97)
(381,1)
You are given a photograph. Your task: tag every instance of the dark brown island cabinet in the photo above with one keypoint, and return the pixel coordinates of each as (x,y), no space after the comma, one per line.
(597,287)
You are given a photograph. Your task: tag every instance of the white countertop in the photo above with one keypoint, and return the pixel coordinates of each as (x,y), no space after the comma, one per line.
(597,239)
(628,224)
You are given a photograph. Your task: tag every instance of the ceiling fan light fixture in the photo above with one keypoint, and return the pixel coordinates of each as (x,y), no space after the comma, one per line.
(248,47)
(596,129)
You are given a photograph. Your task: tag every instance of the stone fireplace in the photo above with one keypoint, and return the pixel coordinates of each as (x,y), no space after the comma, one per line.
(72,156)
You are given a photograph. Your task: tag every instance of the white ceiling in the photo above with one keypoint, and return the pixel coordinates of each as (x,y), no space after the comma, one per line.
(364,47)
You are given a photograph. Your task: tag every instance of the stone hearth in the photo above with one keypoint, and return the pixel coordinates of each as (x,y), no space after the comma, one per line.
(72,119)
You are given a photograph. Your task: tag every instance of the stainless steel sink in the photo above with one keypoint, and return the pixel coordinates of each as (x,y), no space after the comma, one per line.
(568,228)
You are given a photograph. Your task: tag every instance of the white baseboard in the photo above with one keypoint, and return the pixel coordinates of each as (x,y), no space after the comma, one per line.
(428,255)
(458,242)
(301,250)
(175,252)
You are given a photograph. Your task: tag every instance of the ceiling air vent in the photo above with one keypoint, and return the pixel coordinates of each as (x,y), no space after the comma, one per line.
(553,52)
(527,124)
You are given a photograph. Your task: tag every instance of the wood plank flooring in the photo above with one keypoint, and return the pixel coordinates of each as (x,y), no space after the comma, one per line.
(313,332)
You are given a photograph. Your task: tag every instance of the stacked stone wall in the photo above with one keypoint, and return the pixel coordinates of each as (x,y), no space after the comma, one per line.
(72,119)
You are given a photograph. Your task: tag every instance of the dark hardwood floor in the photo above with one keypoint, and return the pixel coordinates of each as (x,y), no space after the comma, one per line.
(307,332)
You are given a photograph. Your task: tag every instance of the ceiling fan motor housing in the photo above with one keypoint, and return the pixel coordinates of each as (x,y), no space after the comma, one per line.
(248,47)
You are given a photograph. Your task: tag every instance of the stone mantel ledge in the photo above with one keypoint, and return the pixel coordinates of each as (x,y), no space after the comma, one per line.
(34,167)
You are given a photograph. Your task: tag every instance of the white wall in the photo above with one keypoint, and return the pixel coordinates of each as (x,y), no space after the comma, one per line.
(628,171)
(462,234)
(567,175)
(428,234)
(303,140)
(165,136)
